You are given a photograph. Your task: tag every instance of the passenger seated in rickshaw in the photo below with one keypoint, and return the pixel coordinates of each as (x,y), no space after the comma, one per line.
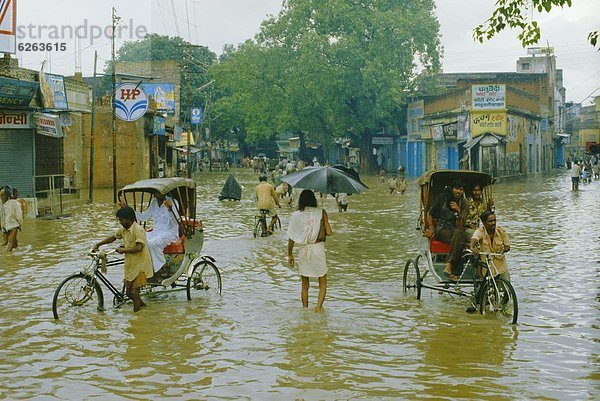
(165,230)
(450,210)
(477,205)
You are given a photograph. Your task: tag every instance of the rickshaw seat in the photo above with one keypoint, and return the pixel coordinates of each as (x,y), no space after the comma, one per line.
(436,246)
(176,247)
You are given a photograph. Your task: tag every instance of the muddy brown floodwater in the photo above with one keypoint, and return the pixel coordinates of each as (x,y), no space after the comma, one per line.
(372,342)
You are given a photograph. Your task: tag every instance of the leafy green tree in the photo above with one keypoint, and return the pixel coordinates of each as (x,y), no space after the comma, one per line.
(330,68)
(513,14)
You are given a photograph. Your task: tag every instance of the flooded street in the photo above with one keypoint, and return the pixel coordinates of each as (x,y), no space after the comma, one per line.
(372,342)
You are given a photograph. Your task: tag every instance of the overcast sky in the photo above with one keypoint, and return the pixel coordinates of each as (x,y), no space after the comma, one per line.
(214,23)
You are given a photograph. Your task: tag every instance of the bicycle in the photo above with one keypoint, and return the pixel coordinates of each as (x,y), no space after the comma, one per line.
(492,294)
(82,291)
(261,226)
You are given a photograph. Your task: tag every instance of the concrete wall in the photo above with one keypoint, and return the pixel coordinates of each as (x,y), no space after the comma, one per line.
(132,150)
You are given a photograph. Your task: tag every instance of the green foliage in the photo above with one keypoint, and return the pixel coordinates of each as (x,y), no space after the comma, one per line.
(513,14)
(328,68)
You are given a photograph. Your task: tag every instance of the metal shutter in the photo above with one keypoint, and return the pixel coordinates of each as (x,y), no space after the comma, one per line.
(16,160)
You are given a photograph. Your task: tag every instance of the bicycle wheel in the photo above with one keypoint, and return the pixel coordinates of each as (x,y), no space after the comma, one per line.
(277,224)
(77,294)
(256,228)
(263,227)
(411,279)
(205,280)
(500,301)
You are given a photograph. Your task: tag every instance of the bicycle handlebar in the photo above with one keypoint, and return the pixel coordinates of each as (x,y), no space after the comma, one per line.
(467,250)
(99,253)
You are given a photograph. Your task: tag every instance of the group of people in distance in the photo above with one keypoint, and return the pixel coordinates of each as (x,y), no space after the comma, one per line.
(457,222)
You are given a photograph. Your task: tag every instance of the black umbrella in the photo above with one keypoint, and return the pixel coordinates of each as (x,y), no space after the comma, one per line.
(325,179)
(351,172)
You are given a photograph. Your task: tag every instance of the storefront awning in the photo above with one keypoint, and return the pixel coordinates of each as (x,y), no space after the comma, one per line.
(478,139)
(193,149)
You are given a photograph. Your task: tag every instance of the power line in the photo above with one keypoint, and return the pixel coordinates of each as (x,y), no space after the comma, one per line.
(175,18)
(195,19)
(187,17)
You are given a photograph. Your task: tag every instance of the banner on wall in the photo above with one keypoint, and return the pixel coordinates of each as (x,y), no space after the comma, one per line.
(15,120)
(54,93)
(488,97)
(437,132)
(450,132)
(462,133)
(163,96)
(484,122)
(48,125)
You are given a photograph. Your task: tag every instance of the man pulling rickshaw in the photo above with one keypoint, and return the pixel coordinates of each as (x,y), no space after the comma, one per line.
(446,263)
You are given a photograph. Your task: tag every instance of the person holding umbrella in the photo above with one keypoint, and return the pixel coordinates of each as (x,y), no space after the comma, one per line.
(308,228)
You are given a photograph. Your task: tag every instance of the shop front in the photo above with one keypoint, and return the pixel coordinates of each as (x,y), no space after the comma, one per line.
(17,156)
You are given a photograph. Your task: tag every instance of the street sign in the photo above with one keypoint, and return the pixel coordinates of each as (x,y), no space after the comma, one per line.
(196,115)
(131,102)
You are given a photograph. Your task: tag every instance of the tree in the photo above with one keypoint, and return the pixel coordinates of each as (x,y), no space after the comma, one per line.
(331,68)
(513,14)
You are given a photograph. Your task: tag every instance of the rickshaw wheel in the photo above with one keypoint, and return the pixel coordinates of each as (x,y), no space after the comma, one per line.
(500,301)
(411,280)
(77,294)
(205,280)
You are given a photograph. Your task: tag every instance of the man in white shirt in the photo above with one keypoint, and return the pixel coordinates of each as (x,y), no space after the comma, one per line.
(575,172)
(165,229)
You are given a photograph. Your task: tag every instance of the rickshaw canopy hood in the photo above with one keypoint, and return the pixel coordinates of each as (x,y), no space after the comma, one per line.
(445,177)
(433,182)
(163,185)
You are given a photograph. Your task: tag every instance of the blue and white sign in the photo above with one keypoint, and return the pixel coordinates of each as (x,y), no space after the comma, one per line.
(131,102)
(163,95)
(196,115)
(54,92)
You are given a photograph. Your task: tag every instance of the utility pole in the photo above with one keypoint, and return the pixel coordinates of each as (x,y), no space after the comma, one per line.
(92,132)
(188,111)
(114,89)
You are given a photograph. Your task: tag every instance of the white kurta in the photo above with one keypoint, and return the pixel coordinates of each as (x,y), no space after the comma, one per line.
(303,230)
(165,229)
(11,216)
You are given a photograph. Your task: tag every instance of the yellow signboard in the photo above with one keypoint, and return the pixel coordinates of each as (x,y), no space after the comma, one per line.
(488,121)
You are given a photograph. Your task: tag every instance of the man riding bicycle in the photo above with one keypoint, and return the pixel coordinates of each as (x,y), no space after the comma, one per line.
(266,199)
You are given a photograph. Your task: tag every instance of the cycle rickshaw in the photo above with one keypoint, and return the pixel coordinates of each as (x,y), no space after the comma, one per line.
(489,294)
(189,270)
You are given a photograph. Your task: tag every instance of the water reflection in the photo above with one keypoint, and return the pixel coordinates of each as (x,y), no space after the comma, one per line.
(372,342)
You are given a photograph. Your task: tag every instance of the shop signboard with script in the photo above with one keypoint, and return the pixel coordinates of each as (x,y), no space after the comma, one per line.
(47,124)
(488,97)
(15,120)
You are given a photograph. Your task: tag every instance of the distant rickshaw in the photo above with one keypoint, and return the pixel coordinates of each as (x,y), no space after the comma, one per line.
(191,271)
(490,294)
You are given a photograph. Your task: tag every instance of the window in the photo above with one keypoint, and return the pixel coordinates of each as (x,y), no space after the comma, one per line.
(525,66)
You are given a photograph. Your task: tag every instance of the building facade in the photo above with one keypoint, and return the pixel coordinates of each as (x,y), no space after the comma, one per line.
(42,123)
